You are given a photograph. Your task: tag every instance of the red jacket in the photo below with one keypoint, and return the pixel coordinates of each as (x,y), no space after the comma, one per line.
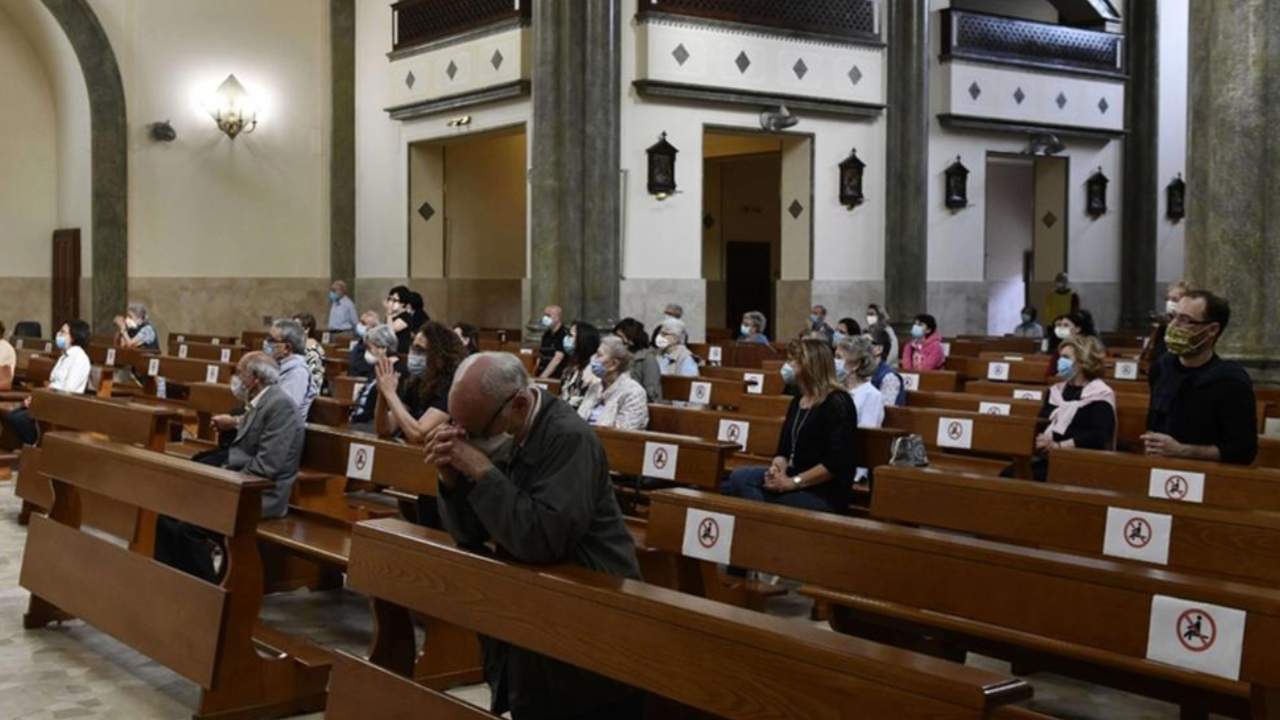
(924,354)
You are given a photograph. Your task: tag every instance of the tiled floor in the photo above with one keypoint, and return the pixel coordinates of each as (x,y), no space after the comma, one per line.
(76,672)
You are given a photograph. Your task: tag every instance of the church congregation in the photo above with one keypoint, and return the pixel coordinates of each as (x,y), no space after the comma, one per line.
(638,359)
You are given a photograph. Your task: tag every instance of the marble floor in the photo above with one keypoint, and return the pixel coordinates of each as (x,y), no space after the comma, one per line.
(76,672)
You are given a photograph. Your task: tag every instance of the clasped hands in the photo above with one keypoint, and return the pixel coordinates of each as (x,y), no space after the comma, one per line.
(447,448)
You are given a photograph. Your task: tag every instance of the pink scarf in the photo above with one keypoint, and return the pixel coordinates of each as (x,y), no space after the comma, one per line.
(1064,410)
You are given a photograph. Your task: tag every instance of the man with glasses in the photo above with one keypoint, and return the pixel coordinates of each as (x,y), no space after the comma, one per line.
(518,467)
(1202,407)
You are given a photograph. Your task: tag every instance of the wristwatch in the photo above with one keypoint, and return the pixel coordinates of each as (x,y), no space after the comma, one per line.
(796,480)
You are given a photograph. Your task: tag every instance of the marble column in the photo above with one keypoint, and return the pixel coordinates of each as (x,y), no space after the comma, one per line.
(1233,184)
(342,143)
(907,189)
(1141,155)
(574,193)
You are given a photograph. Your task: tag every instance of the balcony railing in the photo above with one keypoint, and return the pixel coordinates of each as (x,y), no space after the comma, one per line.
(991,38)
(417,22)
(846,19)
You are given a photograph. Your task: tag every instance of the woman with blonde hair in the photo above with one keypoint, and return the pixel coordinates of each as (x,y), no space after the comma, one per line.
(1081,408)
(815,463)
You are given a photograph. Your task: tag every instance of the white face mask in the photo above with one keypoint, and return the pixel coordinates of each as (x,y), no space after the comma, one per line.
(871,319)
(131,323)
(1062,332)
(370,358)
(1170,308)
(662,343)
(237,388)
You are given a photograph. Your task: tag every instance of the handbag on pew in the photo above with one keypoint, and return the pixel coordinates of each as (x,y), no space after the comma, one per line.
(908,450)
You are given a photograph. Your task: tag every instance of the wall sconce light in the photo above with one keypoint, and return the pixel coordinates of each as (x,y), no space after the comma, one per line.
(1096,194)
(162,131)
(662,168)
(1176,199)
(957,195)
(851,180)
(232,108)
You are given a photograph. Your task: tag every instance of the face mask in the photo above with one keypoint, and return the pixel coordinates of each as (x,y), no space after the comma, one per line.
(266,347)
(1170,308)
(838,337)
(597,367)
(131,323)
(61,342)
(546,321)
(333,296)
(841,372)
(1183,341)
(568,344)
(361,329)
(917,331)
(788,374)
(417,363)
(871,319)
(1066,367)
(237,387)
(370,358)
(1062,332)
(662,342)
(815,318)
(745,329)
(669,315)
(1026,318)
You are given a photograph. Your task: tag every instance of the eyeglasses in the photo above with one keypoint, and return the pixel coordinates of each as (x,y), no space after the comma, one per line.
(1183,319)
(496,413)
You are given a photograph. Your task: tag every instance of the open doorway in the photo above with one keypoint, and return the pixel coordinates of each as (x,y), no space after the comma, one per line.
(467,224)
(1025,234)
(756,226)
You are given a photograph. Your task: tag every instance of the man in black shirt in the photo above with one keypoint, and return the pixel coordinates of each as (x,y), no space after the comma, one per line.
(1202,407)
(551,352)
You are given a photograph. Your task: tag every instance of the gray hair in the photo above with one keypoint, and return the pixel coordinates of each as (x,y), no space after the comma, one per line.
(137,310)
(382,336)
(675,309)
(676,327)
(263,367)
(504,377)
(340,284)
(858,356)
(612,346)
(292,334)
(756,317)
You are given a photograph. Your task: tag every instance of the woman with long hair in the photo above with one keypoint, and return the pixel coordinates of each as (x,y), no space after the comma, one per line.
(419,403)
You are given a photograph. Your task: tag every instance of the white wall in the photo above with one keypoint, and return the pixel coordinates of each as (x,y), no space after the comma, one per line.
(1170,236)
(28,156)
(204,205)
(381,249)
(1008,236)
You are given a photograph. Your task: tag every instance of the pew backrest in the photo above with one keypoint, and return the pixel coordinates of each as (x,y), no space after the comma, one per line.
(756,435)
(960,430)
(684,459)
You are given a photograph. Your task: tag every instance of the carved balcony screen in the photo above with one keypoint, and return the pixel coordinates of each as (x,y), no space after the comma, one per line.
(975,36)
(850,19)
(416,22)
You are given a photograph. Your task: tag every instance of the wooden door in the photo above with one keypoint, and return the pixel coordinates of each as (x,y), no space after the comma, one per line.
(749,285)
(65,277)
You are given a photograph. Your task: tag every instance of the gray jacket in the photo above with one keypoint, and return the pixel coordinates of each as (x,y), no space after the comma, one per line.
(645,370)
(269,445)
(553,502)
(295,380)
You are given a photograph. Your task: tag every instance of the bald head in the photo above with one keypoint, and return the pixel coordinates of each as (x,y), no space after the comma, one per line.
(486,385)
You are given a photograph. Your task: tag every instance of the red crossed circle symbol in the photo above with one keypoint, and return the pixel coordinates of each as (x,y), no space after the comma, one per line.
(1137,533)
(708,532)
(362,457)
(660,458)
(1176,487)
(954,431)
(1196,630)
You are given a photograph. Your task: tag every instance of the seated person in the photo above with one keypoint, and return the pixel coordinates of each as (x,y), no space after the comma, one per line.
(287,345)
(845,328)
(1029,327)
(314,352)
(818,322)
(1074,324)
(579,347)
(674,357)
(8,361)
(752,329)
(380,343)
(815,462)
(135,329)
(1153,348)
(615,400)
(1202,407)
(1081,408)
(924,352)
(70,375)
(886,379)
(419,402)
(856,364)
(878,317)
(358,367)
(469,335)
(644,360)
(267,445)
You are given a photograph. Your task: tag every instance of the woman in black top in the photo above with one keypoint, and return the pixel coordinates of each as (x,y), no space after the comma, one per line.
(419,402)
(1081,409)
(815,462)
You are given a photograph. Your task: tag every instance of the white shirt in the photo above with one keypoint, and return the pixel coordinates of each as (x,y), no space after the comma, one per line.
(71,372)
(870,404)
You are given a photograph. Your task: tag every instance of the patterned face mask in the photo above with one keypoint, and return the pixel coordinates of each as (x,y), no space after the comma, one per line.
(1183,340)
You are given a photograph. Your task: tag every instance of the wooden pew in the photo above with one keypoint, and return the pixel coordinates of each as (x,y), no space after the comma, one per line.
(755,381)
(764,405)
(987,405)
(689,460)
(1001,343)
(206,633)
(931,381)
(671,641)
(1200,540)
(43,345)
(253,338)
(204,338)
(761,433)
(958,432)
(1026,371)
(1218,484)
(1019,389)
(1068,614)
(1268,452)
(716,392)
(223,353)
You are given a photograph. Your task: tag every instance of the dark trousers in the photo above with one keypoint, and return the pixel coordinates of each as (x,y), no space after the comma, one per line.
(22,426)
(186,547)
(748,483)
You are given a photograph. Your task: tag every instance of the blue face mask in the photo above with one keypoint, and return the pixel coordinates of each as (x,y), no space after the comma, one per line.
(1066,367)
(838,337)
(815,318)
(546,321)
(361,330)
(788,374)
(745,329)
(568,344)
(61,342)
(417,363)
(917,331)
(841,372)
(597,367)
(333,296)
